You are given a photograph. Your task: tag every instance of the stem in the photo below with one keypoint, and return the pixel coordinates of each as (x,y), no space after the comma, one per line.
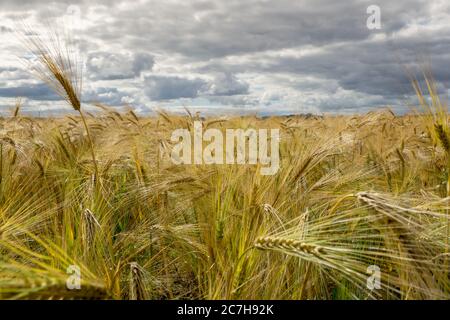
(447,216)
(91,144)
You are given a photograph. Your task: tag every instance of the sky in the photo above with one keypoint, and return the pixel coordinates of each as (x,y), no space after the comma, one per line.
(233,56)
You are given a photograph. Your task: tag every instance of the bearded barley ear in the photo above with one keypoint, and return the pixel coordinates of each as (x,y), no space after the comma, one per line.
(89,228)
(138,290)
(56,65)
(133,114)
(443,138)
(290,245)
(403,233)
(17,107)
(59,67)
(41,288)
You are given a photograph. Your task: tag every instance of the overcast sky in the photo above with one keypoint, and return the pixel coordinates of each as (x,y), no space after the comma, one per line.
(281,56)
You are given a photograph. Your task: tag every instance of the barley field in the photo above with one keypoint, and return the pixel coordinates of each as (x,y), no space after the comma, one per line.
(92,207)
(351,192)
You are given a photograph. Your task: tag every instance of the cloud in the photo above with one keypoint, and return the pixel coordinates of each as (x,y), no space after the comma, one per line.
(4,29)
(109,96)
(283,55)
(31,91)
(116,66)
(172,87)
(235,27)
(226,84)
(142,62)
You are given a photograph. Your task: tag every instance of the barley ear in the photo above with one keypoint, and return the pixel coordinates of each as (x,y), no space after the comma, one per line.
(89,226)
(138,290)
(443,137)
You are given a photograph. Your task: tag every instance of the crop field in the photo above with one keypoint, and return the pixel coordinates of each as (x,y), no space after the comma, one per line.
(350,193)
